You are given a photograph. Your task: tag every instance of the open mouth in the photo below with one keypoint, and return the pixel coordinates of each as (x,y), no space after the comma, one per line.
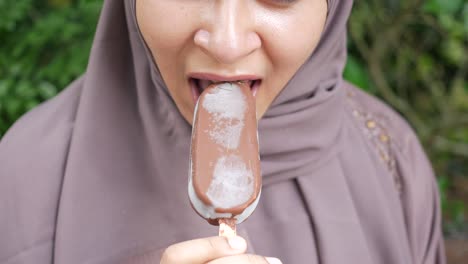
(199,85)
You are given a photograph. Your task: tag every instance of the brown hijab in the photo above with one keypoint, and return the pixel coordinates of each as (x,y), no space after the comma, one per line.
(99,173)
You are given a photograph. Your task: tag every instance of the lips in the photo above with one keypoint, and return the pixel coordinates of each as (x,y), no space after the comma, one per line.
(199,82)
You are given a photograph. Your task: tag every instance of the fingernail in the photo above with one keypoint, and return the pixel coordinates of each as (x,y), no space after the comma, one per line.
(274,261)
(237,243)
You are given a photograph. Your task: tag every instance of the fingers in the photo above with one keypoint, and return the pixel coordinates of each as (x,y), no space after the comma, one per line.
(246,259)
(274,261)
(203,250)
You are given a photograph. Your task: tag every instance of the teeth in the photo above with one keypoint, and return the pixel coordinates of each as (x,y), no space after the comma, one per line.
(247,82)
(202,84)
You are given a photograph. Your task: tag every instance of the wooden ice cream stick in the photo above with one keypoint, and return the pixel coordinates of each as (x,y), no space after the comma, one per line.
(227,227)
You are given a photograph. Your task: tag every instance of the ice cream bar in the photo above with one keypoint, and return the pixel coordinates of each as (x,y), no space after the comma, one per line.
(224,177)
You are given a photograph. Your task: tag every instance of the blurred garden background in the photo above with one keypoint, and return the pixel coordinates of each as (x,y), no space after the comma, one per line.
(413,54)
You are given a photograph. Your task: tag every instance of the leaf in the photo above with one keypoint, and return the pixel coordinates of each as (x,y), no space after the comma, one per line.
(425,65)
(47,90)
(465,18)
(45,45)
(443,6)
(459,94)
(454,51)
(356,73)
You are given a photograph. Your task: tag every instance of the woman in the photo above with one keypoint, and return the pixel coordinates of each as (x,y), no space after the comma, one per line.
(99,173)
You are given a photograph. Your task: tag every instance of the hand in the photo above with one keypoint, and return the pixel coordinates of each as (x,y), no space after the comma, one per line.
(213,250)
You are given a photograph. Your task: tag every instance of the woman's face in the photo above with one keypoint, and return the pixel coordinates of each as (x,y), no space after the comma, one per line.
(196,42)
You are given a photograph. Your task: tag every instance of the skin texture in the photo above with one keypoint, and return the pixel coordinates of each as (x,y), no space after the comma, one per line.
(270,39)
(213,250)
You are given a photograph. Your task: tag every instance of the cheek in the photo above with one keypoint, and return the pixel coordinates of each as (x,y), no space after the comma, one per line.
(292,37)
(299,44)
(163,25)
(289,39)
(167,30)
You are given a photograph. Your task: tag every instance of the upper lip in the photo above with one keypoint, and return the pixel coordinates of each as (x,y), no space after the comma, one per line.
(221,78)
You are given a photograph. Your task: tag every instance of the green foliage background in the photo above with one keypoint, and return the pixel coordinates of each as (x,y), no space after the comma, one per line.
(412,53)
(43,46)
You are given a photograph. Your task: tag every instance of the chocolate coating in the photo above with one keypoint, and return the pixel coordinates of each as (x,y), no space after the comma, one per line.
(224,177)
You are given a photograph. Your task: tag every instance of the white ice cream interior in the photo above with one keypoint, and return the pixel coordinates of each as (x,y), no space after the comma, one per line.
(232,184)
(227,106)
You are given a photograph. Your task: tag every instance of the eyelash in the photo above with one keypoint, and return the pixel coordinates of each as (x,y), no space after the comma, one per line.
(284,2)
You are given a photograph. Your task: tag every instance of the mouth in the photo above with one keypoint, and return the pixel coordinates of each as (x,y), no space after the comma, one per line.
(199,83)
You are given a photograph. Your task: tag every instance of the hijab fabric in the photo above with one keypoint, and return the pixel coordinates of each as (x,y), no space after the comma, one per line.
(122,187)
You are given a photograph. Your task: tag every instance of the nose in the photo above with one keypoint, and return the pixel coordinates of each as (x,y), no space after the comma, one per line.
(229,32)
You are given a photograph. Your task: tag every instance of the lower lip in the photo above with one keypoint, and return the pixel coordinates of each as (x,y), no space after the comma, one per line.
(195,93)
